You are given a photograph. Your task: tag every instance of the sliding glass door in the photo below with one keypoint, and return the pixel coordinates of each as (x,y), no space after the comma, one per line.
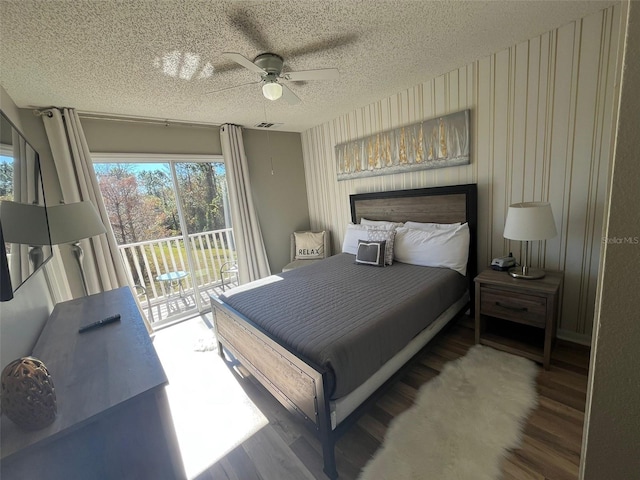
(202,190)
(171,219)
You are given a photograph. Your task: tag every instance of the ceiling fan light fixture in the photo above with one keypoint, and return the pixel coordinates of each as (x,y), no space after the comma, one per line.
(272,90)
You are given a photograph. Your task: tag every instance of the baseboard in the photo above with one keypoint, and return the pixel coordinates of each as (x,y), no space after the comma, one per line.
(579,338)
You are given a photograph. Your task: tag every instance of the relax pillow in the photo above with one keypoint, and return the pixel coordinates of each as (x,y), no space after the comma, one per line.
(447,248)
(309,245)
(370,253)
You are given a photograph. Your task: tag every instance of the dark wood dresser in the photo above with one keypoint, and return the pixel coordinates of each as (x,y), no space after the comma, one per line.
(113,418)
(517,315)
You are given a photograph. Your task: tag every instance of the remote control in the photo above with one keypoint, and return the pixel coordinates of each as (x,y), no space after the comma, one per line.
(100,323)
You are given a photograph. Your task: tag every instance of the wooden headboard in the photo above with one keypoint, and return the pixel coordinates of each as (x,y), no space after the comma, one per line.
(458,203)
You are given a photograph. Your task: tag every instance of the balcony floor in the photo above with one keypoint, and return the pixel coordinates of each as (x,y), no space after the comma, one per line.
(174,308)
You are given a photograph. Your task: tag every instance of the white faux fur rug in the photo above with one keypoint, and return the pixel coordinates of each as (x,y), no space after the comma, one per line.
(463,421)
(206,343)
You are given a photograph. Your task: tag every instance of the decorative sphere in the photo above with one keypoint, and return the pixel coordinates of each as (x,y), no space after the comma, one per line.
(28,396)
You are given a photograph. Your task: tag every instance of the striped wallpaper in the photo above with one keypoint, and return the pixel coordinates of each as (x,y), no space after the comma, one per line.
(541,130)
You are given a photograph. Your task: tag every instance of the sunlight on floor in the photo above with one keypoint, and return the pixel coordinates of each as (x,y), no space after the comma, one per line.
(211,413)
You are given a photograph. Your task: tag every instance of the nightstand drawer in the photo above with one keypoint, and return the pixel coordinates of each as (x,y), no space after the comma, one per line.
(517,307)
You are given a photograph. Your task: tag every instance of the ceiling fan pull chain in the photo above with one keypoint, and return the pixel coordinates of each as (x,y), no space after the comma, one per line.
(264,107)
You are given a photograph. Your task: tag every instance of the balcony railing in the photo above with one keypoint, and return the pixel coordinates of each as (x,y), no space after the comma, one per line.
(145,261)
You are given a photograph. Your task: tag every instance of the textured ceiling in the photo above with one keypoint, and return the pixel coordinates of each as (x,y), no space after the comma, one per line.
(160,58)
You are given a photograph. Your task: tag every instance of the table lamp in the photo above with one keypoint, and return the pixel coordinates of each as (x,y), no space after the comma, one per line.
(26,224)
(72,222)
(68,223)
(528,222)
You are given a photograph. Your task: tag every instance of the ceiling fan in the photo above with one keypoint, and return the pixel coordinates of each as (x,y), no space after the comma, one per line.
(269,67)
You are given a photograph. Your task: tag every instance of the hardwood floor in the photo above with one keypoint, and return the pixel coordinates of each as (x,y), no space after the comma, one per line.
(286,449)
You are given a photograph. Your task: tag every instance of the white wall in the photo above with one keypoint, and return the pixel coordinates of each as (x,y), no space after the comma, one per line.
(9,108)
(279,191)
(541,123)
(612,424)
(22,318)
(112,136)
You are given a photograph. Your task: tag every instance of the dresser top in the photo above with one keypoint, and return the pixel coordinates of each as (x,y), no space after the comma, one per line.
(94,371)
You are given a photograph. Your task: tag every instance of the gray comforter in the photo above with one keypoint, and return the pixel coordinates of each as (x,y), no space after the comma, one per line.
(345,317)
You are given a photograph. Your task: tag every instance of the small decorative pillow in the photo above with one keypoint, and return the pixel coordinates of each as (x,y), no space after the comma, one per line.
(309,245)
(384,235)
(370,253)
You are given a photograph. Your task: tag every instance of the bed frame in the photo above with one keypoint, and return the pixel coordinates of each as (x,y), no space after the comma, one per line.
(295,381)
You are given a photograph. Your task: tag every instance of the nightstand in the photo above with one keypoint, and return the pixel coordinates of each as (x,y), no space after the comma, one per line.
(516,315)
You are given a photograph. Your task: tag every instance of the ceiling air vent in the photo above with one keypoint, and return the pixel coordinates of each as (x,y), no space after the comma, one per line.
(268,125)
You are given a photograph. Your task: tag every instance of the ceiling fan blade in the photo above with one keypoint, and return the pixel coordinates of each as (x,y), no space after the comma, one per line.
(241,19)
(321,74)
(334,43)
(289,96)
(230,88)
(245,62)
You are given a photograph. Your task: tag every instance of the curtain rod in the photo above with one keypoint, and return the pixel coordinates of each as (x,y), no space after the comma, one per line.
(153,121)
(46,112)
(38,112)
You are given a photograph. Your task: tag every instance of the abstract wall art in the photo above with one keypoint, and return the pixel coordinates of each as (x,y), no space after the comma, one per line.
(436,143)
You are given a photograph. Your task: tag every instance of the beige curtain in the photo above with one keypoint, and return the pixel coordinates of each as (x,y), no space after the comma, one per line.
(252,256)
(103,265)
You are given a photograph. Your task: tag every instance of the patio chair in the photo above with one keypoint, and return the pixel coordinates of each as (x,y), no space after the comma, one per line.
(142,289)
(228,270)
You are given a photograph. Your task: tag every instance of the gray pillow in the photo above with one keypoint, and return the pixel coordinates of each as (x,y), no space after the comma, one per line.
(370,253)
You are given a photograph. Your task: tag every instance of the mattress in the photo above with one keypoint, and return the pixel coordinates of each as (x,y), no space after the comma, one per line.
(347,318)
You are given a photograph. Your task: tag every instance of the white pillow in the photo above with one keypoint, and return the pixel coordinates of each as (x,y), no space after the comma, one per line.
(380,224)
(351,237)
(431,226)
(447,248)
(309,245)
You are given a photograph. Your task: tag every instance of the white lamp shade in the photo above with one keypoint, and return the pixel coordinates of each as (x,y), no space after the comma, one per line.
(272,90)
(24,223)
(71,222)
(530,221)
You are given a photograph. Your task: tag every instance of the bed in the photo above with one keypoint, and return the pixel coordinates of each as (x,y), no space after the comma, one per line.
(307,335)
